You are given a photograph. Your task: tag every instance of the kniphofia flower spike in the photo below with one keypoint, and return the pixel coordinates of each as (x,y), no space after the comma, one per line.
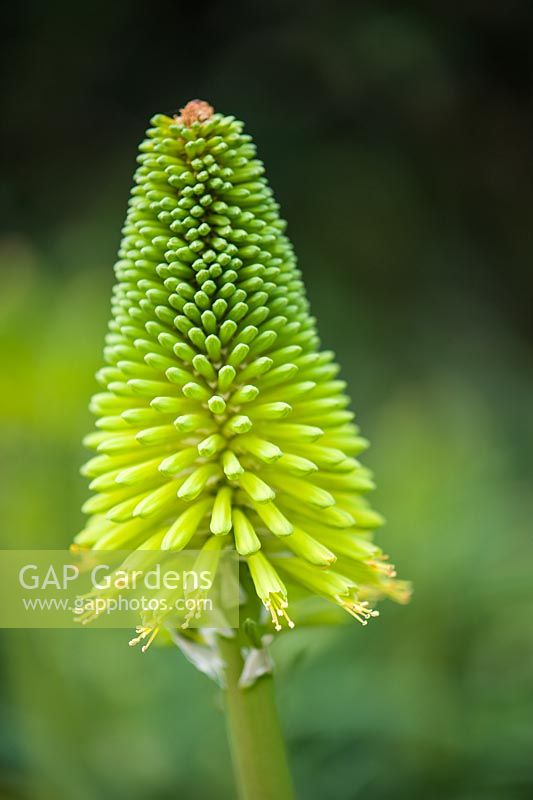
(220,417)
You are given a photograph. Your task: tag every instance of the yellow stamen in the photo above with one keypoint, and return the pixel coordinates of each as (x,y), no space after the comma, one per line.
(385,569)
(154,633)
(142,632)
(360,611)
(276,605)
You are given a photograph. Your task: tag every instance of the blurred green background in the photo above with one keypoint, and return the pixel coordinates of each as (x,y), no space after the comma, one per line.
(399,141)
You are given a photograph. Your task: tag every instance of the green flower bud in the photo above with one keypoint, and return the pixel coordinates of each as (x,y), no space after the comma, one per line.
(219,416)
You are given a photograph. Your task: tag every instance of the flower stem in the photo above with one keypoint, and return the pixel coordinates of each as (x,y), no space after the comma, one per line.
(256,740)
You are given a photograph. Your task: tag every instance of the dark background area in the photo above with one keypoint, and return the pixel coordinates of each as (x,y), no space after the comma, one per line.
(399,141)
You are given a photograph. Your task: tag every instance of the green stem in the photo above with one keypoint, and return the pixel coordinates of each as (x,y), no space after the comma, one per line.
(256,740)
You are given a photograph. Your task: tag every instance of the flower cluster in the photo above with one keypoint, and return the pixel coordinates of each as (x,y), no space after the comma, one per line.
(219,417)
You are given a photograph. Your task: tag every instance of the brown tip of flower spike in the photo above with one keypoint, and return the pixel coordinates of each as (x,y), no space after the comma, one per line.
(195,111)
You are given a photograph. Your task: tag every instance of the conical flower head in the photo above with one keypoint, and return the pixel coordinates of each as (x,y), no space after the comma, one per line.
(219,415)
